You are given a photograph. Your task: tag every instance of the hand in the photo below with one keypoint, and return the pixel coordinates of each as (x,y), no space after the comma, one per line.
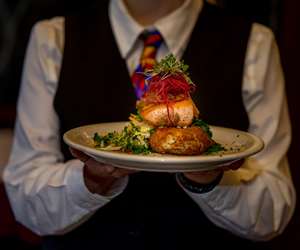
(99,177)
(205,177)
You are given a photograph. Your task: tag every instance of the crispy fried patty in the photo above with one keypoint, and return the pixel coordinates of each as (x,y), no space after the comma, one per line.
(180,141)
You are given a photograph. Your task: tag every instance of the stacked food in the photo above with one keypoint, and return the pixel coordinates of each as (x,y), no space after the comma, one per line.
(167,120)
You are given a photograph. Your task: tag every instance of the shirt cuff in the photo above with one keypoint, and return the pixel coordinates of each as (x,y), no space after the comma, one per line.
(230,182)
(80,194)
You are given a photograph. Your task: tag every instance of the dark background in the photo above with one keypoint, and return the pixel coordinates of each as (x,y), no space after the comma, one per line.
(18,16)
(263,11)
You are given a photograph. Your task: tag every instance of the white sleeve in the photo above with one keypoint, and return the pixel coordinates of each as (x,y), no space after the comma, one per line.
(258,200)
(47,195)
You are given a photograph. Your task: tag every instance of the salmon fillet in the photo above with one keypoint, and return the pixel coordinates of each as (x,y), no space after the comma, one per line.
(180,114)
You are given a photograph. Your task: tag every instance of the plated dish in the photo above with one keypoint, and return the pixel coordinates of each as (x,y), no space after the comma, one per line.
(238,144)
(166,133)
(166,120)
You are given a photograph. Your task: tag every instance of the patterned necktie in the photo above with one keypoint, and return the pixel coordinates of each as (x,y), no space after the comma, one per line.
(152,41)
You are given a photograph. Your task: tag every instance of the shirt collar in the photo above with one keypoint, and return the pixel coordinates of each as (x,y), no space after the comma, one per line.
(125,28)
(175,27)
(178,25)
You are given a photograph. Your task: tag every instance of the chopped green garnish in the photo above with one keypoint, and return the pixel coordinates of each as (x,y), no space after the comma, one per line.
(215,148)
(202,124)
(104,141)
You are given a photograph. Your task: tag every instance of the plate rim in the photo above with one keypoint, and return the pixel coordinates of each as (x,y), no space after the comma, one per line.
(169,159)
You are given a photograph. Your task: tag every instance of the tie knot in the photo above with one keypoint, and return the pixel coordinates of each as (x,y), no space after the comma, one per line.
(152,38)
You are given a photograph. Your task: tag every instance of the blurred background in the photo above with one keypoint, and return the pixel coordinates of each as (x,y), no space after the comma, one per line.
(16,20)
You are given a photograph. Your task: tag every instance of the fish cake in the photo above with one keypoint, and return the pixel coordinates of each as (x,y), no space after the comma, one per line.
(180,141)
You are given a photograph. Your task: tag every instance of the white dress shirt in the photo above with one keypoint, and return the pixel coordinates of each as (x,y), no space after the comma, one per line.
(49,196)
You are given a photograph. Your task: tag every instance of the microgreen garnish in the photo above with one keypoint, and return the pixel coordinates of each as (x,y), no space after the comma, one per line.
(170,66)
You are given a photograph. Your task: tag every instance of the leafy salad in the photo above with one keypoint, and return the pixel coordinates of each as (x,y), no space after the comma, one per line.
(134,138)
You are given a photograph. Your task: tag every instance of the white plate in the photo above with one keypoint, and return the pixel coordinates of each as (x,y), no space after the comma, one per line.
(239,144)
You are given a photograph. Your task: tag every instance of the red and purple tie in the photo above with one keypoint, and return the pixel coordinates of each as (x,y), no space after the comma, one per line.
(152,41)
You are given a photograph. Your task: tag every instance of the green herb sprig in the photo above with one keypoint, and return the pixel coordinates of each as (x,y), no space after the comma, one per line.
(170,65)
(215,148)
(202,124)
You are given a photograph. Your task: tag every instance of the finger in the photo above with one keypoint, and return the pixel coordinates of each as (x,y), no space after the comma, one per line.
(79,155)
(98,169)
(233,165)
(204,173)
(121,172)
(203,177)
(237,164)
